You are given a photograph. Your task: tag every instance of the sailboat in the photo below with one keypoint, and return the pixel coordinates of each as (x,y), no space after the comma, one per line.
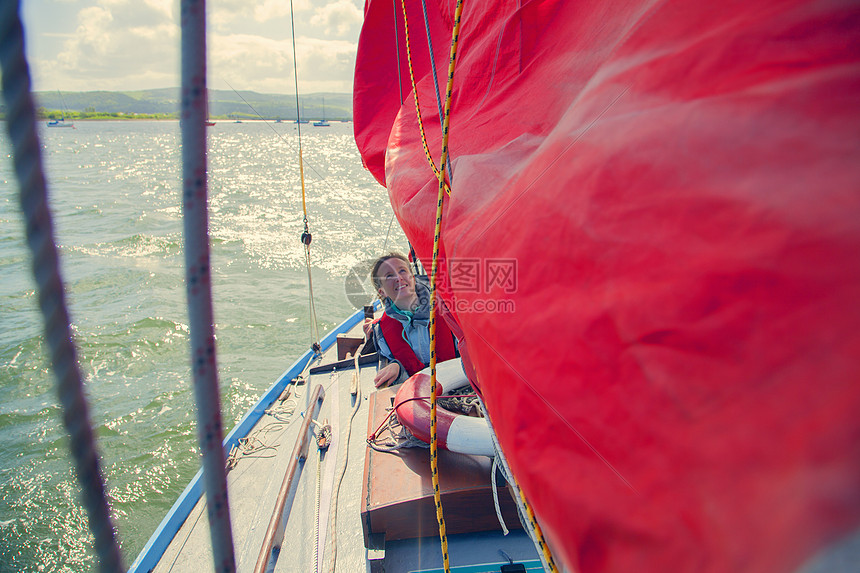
(300,118)
(62,121)
(648,257)
(322,122)
(208,122)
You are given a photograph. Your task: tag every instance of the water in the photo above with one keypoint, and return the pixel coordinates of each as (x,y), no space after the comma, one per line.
(115,196)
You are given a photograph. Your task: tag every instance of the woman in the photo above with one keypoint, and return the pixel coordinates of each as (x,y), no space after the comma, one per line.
(403,331)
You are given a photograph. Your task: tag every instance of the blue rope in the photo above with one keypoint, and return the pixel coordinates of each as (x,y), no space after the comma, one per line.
(436,83)
(21,124)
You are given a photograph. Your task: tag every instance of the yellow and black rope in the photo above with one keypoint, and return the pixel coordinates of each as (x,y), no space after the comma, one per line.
(443,189)
(440,175)
(547,554)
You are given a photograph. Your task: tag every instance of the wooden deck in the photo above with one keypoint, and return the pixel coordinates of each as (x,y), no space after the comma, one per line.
(398,489)
(396,505)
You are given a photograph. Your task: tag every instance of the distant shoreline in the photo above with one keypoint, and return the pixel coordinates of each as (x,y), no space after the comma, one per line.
(166,104)
(176,119)
(51,115)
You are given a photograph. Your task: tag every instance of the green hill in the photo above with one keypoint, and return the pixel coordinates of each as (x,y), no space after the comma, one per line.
(223,104)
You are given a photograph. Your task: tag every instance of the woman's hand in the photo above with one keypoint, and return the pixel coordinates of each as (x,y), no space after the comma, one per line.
(368,328)
(387,375)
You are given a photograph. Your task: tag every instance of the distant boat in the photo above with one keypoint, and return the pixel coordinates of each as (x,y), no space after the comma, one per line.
(209,122)
(323,122)
(301,115)
(62,121)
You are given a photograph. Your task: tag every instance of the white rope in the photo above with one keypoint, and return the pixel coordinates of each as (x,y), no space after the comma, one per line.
(332,543)
(317,513)
(198,280)
(496,496)
(21,125)
(251,445)
(315,333)
(399,438)
(410,442)
(306,235)
(284,411)
(506,471)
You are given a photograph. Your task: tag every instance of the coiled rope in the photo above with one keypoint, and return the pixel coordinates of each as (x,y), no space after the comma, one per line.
(21,125)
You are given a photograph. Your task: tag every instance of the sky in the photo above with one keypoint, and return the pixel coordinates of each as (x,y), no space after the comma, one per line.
(125,45)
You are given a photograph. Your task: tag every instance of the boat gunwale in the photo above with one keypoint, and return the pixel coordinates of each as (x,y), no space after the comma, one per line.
(164,534)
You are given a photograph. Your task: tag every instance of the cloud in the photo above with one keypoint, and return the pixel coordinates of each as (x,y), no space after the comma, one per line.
(271,9)
(340,18)
(134,44)
(116,45)
(323,65)
(228,14)
(238,57)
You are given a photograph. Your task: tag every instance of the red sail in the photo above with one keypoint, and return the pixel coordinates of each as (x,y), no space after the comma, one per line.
(653,254)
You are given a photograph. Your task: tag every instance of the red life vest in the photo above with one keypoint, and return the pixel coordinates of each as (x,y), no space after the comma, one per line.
(392,331)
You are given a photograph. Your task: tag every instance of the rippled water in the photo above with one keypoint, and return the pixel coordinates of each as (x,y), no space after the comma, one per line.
(115,196)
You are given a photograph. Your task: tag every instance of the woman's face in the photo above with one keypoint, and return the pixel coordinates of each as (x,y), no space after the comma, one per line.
(396,282)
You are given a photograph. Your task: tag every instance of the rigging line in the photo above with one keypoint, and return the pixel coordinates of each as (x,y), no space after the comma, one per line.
(546,554)
(496,58)
(432,55)
(198,278)
(397,49)
(306,236)
(434,441)
(317,496)
(27,159)
(439,174)
(298,112)
(390,223)
(315,333)
(324,181)
(495,63)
